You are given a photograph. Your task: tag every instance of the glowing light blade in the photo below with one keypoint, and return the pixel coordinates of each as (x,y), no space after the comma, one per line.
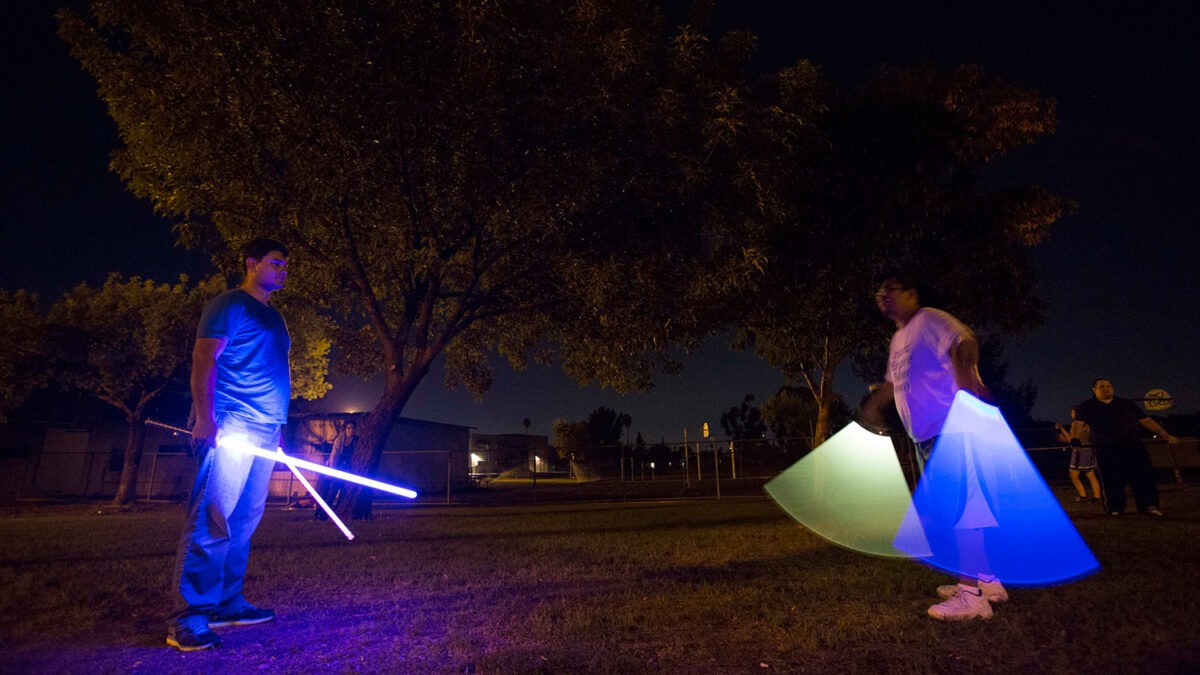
(242,445)
(982,508)
(849,490)
(316,495)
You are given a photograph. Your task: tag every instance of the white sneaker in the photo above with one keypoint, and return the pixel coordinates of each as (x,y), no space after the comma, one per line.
(965,605)
(992,590)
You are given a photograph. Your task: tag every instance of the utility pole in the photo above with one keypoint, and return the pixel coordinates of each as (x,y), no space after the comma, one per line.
(687,472)
(717,470)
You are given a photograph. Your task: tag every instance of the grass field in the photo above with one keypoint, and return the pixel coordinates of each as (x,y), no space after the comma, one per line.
(683,585)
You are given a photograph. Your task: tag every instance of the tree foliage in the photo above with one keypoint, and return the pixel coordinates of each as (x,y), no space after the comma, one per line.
(23,352)
(128,343)
(743,421)
(887,180)
(606,427)
(792,412)
(453,178)
(571,440)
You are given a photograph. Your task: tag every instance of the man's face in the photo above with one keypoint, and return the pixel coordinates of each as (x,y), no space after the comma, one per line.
(1103,391)
(895,301)
(270,271)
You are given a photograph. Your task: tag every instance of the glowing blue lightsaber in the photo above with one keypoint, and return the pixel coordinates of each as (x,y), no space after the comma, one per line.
(239,443)
(318,499)
(279,456)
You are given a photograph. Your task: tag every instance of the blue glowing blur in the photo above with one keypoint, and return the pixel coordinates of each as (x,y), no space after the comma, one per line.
(981,508)
(849,490)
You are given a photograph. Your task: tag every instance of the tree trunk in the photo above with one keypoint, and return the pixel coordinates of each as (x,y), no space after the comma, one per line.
(127,489)
(372,438)
(825,397)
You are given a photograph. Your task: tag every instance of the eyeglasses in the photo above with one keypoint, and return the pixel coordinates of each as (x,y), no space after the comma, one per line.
(885,290)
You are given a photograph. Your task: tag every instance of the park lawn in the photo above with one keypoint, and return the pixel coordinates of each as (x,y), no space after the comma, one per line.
(674,586)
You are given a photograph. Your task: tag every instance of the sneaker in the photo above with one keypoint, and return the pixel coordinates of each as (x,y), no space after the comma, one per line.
(965,605)
(191,634)
(1114,513)
(1153,511)
(246,615)
(1080,499)
(992,590)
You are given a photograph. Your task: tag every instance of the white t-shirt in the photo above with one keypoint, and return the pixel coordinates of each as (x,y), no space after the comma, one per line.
(921,372)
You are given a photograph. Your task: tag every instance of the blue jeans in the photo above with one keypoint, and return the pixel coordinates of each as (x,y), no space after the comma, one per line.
(227,502)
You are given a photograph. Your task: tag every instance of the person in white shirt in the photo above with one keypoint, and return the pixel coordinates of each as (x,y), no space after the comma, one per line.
(932,355)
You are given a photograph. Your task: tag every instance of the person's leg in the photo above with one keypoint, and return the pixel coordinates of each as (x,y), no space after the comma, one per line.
(1112,476)
(921,452)
(971,598)
(1074,473)
(244,518)
(1091,476)
(1141,475)
(204,545)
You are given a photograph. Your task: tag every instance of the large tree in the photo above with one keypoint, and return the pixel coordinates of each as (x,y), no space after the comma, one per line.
(887,180)
(454,178)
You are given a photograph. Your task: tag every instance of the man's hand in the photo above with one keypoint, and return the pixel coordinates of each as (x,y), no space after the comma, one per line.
(204,434)
(870,413)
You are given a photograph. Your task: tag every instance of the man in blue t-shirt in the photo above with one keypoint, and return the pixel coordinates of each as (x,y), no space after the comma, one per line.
(1116,432)
(240,387)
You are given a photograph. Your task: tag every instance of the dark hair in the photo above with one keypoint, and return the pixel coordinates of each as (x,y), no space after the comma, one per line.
(257,248)
(1098,380)
(905,282)
(350,423)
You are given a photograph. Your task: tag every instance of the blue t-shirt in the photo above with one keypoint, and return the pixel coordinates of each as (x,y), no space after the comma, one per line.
(253,380)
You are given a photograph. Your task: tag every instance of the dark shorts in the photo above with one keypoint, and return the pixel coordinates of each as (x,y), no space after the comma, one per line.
(1083,459)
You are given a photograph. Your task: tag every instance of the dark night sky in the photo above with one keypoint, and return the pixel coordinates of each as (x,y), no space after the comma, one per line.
(1117,276)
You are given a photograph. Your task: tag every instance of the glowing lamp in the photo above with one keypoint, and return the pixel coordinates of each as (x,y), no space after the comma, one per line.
(849,490)
(981,508)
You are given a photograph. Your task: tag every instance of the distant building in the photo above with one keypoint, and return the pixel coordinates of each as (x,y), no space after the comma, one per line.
(493,454)
(51,460)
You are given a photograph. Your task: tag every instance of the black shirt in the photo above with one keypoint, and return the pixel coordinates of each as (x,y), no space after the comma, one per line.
(1112,422)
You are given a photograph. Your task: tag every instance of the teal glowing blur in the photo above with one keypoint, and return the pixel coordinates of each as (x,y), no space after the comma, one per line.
(849,490)
(982,509)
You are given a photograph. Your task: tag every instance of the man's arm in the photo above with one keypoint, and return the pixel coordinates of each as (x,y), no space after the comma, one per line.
(965,357)
(1150,424)
(204,387)
(870,414)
